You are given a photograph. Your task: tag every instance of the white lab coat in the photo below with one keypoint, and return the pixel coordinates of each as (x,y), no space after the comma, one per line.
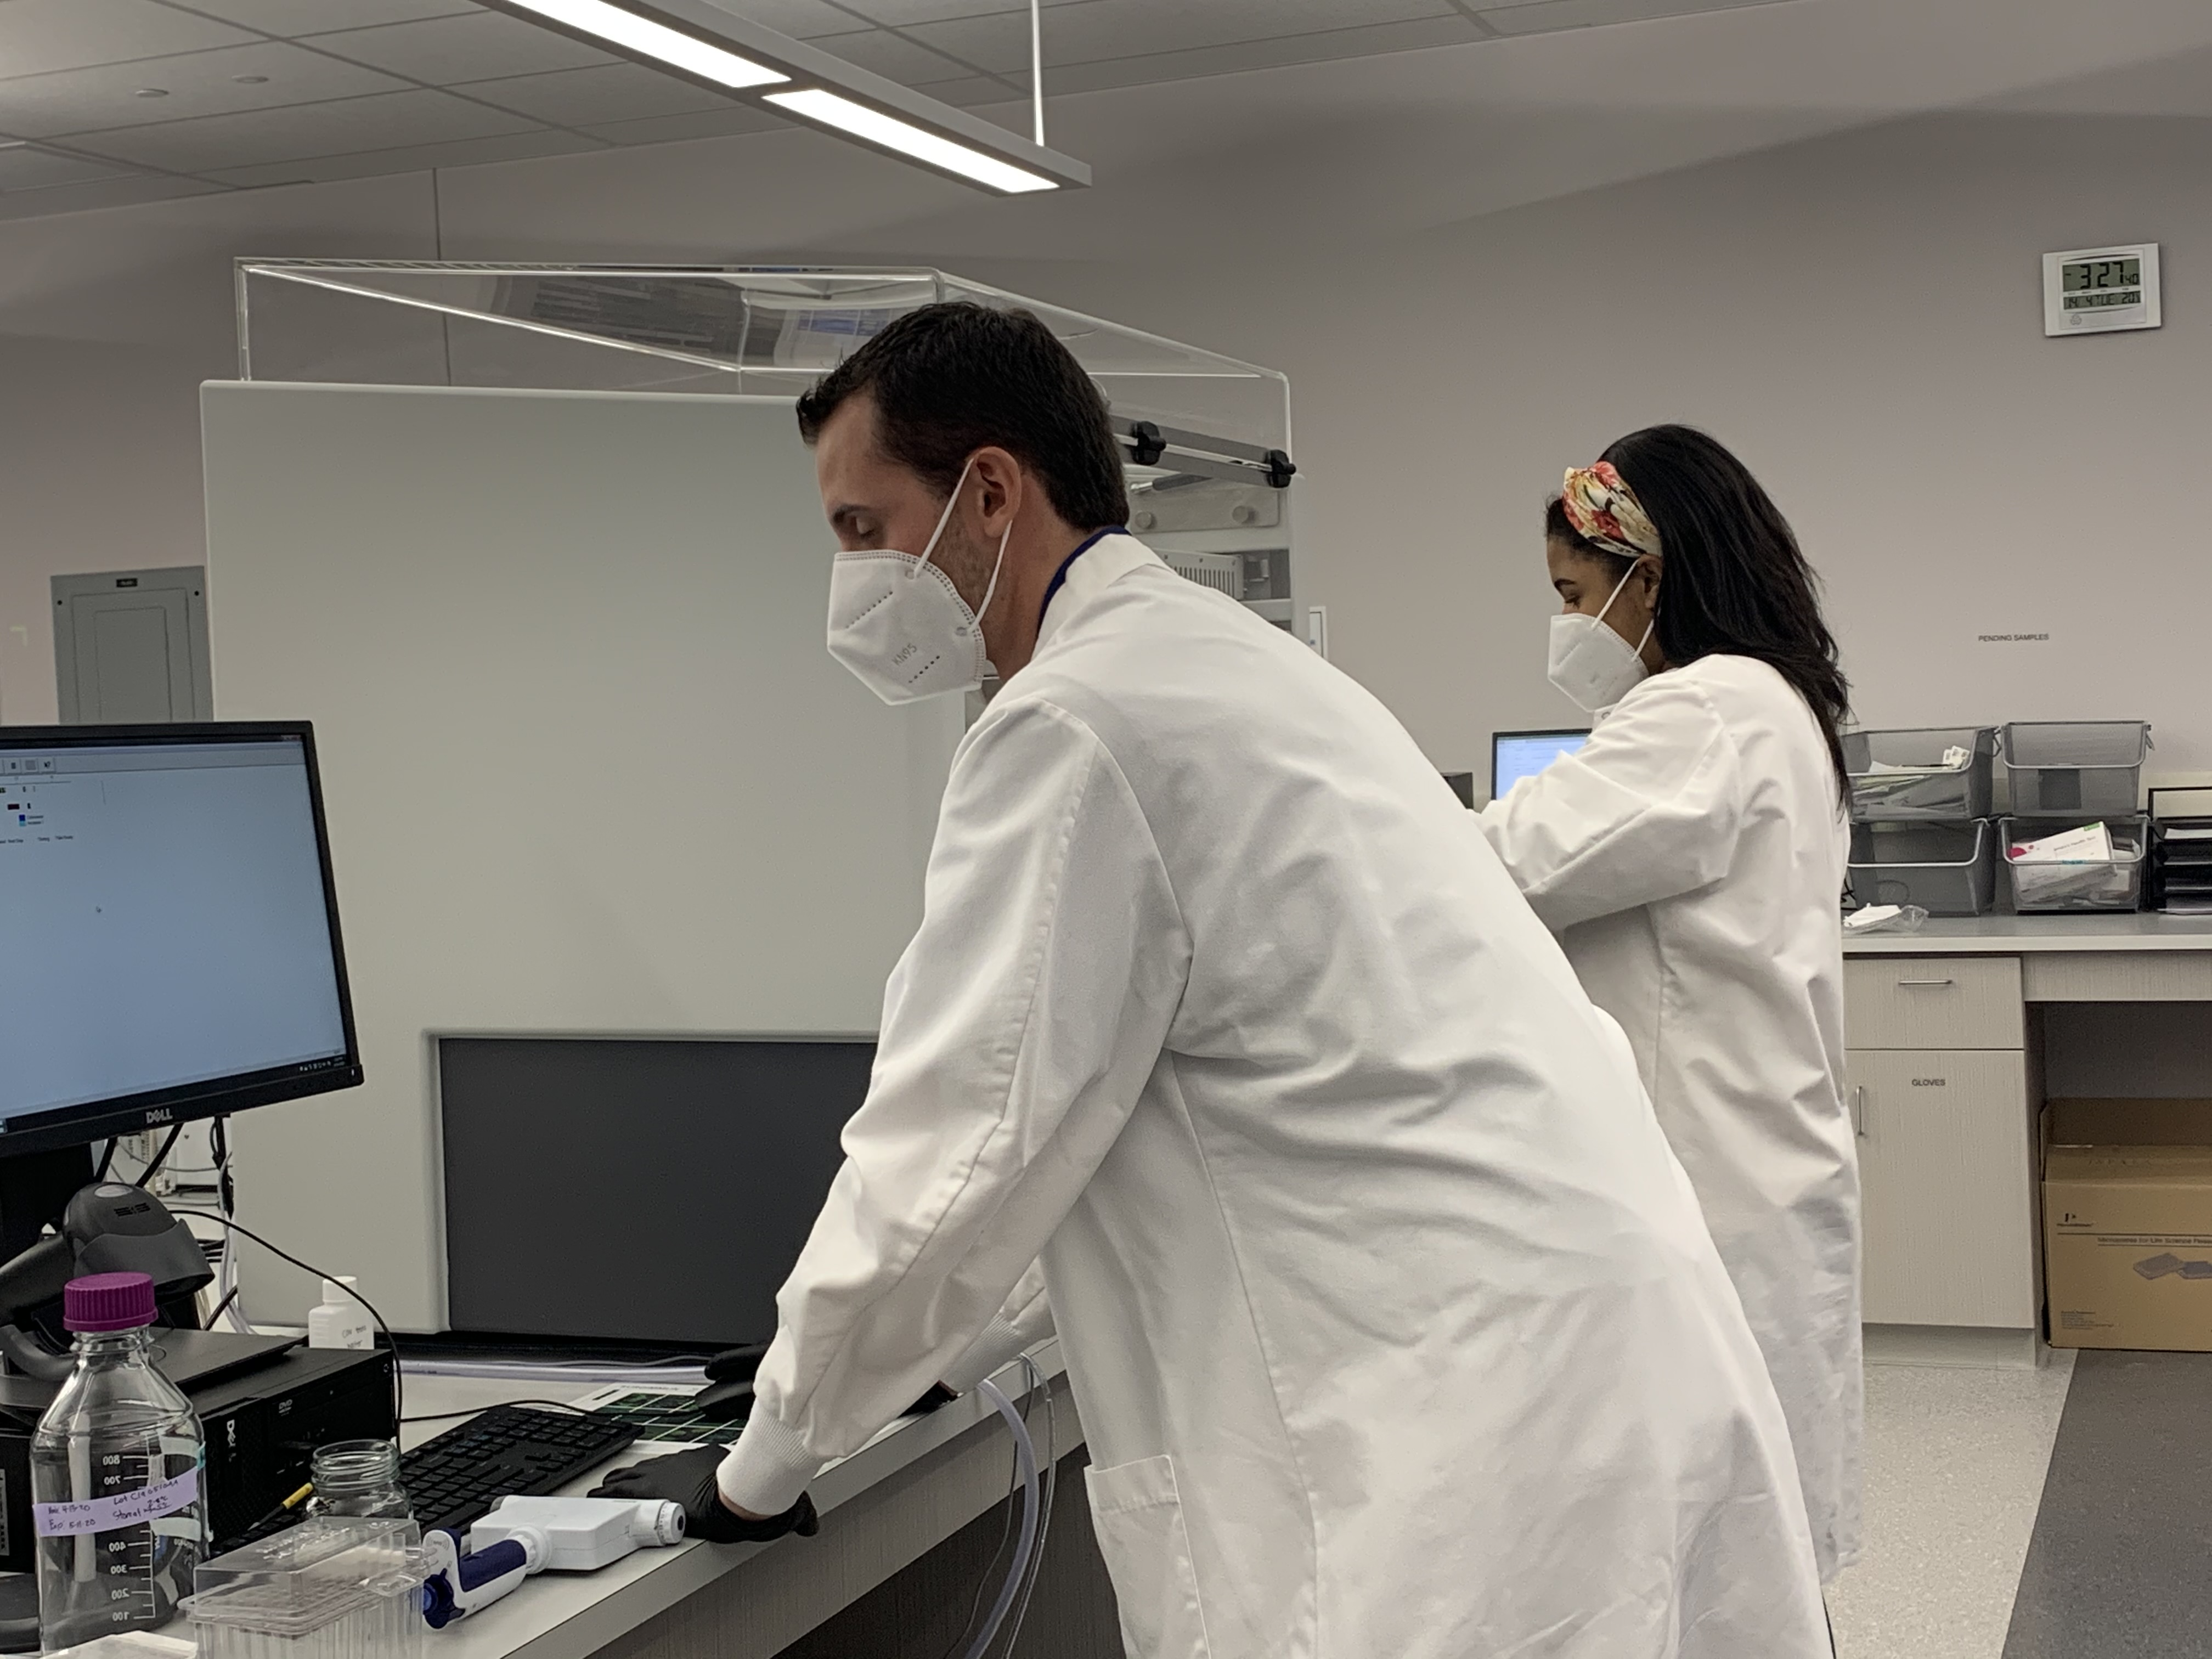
(1391,1319)
(1692,857)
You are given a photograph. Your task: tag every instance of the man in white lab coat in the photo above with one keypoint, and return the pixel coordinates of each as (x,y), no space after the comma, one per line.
(1394,1325)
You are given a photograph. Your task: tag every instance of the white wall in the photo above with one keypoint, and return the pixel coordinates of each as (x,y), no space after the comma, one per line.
(1858,313)
(586,765)
(108,323)
(1860,316)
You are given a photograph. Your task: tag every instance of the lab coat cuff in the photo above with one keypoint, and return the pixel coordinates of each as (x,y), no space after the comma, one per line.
(998,1345)
(768,1467)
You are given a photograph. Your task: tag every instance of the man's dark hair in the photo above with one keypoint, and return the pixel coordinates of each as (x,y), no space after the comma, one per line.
(952,378)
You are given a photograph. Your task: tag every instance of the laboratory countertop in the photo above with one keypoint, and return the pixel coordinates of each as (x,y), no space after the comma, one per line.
(572,1616)
(2023,935)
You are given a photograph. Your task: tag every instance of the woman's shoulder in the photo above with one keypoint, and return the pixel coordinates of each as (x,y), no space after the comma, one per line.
(1739,680)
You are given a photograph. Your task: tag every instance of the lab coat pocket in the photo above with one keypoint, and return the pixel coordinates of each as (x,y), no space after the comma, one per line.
(1138,1514)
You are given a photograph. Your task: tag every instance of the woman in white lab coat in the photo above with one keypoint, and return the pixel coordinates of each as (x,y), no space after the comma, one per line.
(1690,859)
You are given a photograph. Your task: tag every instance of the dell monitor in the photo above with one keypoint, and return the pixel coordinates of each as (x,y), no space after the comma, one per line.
(1517,755)
(172,941)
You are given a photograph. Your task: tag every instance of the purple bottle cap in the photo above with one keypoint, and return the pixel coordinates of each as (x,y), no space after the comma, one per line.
(108,1302)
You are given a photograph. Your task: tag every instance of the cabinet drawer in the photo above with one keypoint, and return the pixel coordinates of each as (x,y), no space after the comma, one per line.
(1933,1002)
(1947,1181)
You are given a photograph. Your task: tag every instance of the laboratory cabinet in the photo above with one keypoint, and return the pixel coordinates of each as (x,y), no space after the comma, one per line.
(1946,1170)
(1937,1080)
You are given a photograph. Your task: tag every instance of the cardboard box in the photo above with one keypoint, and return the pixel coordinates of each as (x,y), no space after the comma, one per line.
(2127,1224)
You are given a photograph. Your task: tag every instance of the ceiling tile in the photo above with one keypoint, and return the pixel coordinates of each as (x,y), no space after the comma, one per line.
(38,36)
(126,191)
(197,83)
(412,158)
(1548,17)
(25,167)
(387,121)
(589,97)
(899,13)
(804,19)
(446,50)
(966,89)
(292,18)
(897,58)
(1088,31)
(1321,46)
(675,129)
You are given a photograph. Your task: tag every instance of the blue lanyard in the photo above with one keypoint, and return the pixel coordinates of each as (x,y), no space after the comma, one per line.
(1060,575)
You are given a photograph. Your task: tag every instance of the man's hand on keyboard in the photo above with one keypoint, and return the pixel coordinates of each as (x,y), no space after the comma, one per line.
(687,1477)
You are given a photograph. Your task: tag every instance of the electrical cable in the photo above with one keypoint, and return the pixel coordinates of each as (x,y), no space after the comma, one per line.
(161,1156)
(216,1313)
(990,1567)
(398,1374)
(478,1411)
(106,1157)
(1025,1456)
(1037,1384)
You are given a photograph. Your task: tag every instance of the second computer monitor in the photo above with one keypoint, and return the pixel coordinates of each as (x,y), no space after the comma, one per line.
(1517,755)
(636,1190)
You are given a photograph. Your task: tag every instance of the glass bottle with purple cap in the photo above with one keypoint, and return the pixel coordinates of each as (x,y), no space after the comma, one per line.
(115,1475)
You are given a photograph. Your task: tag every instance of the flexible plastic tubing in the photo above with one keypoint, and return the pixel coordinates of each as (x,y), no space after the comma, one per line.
(1025,1460)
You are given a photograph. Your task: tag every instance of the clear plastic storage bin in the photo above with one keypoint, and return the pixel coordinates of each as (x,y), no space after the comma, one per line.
(330,1588)
(2080,884)
(1937,772)
(1947,869)
(2078,769)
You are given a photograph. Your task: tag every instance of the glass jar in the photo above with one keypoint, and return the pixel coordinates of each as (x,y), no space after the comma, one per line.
(115,1475)
(357,1477)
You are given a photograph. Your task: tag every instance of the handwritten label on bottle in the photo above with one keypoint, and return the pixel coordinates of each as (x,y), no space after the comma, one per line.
(128,1509)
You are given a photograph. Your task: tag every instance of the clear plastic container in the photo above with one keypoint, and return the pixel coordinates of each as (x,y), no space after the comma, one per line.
(1947,869)
(2077,769)
(1937,772)
(358,1478)
(115,1475)
(334,1587)
(131,1644)
(2113,884)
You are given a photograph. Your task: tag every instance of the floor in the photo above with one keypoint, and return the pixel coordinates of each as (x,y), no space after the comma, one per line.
(1956,1462)
(2035,1513)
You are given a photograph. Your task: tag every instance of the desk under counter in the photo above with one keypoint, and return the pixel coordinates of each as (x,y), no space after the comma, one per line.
(1956,1034)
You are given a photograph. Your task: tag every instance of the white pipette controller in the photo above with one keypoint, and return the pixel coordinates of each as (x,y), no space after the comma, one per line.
(524,1536)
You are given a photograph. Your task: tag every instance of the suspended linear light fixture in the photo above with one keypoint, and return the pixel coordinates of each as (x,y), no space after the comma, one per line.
(705,42)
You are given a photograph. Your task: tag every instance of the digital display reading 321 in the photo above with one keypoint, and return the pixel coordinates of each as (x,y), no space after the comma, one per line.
(2097,284)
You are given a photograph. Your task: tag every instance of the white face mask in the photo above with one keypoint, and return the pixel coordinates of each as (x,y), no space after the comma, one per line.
(898,622)
(1591,663)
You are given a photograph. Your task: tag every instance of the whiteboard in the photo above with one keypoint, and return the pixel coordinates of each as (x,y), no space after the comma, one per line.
(588,766)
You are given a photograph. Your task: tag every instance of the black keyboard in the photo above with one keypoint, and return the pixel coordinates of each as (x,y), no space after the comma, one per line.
(506,1452)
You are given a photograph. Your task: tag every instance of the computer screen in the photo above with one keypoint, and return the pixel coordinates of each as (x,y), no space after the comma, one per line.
(1517,755)
(172,943)
(647,1190)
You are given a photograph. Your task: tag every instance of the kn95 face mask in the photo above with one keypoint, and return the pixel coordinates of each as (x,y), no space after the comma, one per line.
(1589,661)
(900,625)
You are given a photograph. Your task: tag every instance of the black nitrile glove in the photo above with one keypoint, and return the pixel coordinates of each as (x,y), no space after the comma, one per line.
(687,1477)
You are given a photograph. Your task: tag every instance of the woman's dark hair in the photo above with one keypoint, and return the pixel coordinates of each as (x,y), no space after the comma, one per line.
(950,379)
(1734,578)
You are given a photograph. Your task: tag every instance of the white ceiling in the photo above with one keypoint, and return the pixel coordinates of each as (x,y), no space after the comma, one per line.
(105,102)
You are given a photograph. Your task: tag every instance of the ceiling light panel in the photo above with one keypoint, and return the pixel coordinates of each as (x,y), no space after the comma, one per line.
(628,31)
(904,139)
(813,85)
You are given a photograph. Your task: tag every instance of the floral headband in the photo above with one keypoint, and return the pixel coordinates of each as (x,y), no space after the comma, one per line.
(1603,509)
